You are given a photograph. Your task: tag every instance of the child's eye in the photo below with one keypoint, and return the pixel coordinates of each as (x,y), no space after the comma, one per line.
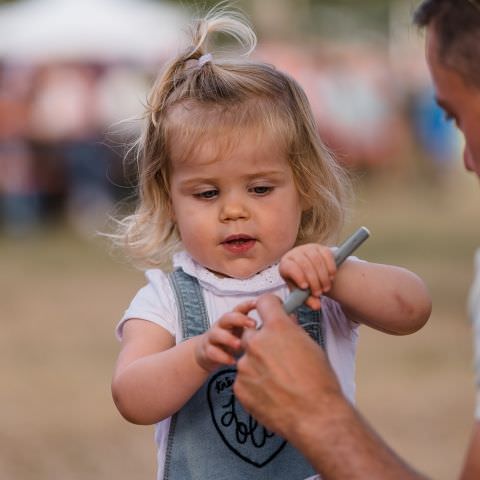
(207,194)
(261,190)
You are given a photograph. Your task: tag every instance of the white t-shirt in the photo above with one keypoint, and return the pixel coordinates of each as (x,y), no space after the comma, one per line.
(156,303)
(474,308)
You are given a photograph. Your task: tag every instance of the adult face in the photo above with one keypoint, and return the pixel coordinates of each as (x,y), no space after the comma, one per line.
(458,98)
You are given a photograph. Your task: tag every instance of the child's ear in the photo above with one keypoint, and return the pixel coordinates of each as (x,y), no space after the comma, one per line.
(305,204)
(170,212)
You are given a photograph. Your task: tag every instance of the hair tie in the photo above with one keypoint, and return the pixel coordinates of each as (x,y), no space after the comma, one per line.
(204,59)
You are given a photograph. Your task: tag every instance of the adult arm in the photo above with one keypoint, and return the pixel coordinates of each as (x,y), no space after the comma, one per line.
(285,381)
(471,469)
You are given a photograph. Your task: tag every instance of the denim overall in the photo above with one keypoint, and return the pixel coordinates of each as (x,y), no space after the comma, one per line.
(212,437)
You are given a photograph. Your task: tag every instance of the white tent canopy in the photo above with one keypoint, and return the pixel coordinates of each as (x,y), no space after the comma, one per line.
(90,30)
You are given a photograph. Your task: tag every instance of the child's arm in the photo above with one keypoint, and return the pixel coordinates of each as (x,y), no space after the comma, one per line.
(387,298)
(154,377)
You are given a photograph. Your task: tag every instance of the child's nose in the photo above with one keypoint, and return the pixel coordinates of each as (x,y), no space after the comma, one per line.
(233,209)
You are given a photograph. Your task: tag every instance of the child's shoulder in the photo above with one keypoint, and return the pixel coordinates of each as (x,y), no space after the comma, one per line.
(158,278)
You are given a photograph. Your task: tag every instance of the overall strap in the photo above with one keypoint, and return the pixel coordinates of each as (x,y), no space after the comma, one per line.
(194,317)
(191,306)
(312,323)
(212,436)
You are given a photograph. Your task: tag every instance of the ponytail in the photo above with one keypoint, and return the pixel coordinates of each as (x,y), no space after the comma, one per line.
(184,70)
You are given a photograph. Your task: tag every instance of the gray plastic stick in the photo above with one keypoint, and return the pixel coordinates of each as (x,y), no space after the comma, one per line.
(298,296)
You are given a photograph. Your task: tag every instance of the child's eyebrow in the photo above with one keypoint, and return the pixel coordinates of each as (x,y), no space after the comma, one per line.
(266,173)
(251,176)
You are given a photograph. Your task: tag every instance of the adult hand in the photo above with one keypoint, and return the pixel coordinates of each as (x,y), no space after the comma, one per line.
(284,378)
(285,381)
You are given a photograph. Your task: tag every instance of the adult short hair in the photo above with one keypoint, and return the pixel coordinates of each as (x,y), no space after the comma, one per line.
(457,26)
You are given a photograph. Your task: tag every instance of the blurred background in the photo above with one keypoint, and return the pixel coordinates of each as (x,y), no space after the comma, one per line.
(73,80)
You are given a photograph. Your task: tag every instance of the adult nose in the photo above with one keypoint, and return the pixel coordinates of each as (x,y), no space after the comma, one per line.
(469,161)
(233,208)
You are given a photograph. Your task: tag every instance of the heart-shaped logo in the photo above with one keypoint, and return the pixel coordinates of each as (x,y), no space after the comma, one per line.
(240,432)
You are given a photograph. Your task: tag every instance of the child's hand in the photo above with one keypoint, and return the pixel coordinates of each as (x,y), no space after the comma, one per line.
(309,266)
(221,341)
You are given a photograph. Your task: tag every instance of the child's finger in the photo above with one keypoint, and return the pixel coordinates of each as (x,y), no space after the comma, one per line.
(293,270)
(216,354)
(316,272)
(314,303)
(224,338)
(233,320)
(329,258)
(321,279)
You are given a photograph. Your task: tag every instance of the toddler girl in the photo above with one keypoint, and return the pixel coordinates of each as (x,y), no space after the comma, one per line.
(236,186)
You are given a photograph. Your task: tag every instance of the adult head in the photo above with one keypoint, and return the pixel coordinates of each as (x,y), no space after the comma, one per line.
(453,57)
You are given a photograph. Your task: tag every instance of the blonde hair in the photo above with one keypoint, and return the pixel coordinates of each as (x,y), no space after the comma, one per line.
(190,100)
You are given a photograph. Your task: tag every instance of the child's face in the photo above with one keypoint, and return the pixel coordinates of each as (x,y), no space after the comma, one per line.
(239,212)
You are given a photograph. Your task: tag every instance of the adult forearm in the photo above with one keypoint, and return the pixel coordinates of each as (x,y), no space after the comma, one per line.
(471,469)
(342,445)
(155,387)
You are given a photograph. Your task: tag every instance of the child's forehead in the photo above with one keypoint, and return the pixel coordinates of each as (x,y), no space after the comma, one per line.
(208,141)
(226,143)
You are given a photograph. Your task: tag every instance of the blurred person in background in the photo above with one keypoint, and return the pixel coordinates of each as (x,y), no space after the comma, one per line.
(67,135)
(20,210)
(284,379)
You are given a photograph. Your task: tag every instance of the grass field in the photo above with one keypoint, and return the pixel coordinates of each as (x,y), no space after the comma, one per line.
(61,297)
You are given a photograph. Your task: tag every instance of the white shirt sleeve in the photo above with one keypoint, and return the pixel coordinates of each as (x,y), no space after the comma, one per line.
(341,342)
(474,308)
(155,302)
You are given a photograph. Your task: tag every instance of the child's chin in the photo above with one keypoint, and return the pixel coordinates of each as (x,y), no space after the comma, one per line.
(237,273)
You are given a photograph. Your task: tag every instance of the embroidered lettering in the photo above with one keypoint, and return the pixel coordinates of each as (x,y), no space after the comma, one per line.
(243,431)
(222,384)
(240,432)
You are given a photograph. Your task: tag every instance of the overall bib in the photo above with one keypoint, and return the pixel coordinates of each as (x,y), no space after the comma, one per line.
(212,437)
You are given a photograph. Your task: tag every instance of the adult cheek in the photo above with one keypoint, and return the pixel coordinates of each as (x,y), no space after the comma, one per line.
(471,159)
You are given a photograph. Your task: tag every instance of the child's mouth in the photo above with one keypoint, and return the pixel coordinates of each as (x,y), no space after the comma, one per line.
(238,243)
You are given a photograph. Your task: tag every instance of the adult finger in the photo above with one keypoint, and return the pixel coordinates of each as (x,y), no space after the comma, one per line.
(271,311)
(245,307)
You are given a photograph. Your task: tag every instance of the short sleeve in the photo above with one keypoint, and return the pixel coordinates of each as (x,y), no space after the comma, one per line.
(341,342)
(155,302)
(340,324)
(474,308)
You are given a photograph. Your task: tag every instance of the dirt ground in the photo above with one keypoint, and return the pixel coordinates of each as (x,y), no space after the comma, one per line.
(61,296)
